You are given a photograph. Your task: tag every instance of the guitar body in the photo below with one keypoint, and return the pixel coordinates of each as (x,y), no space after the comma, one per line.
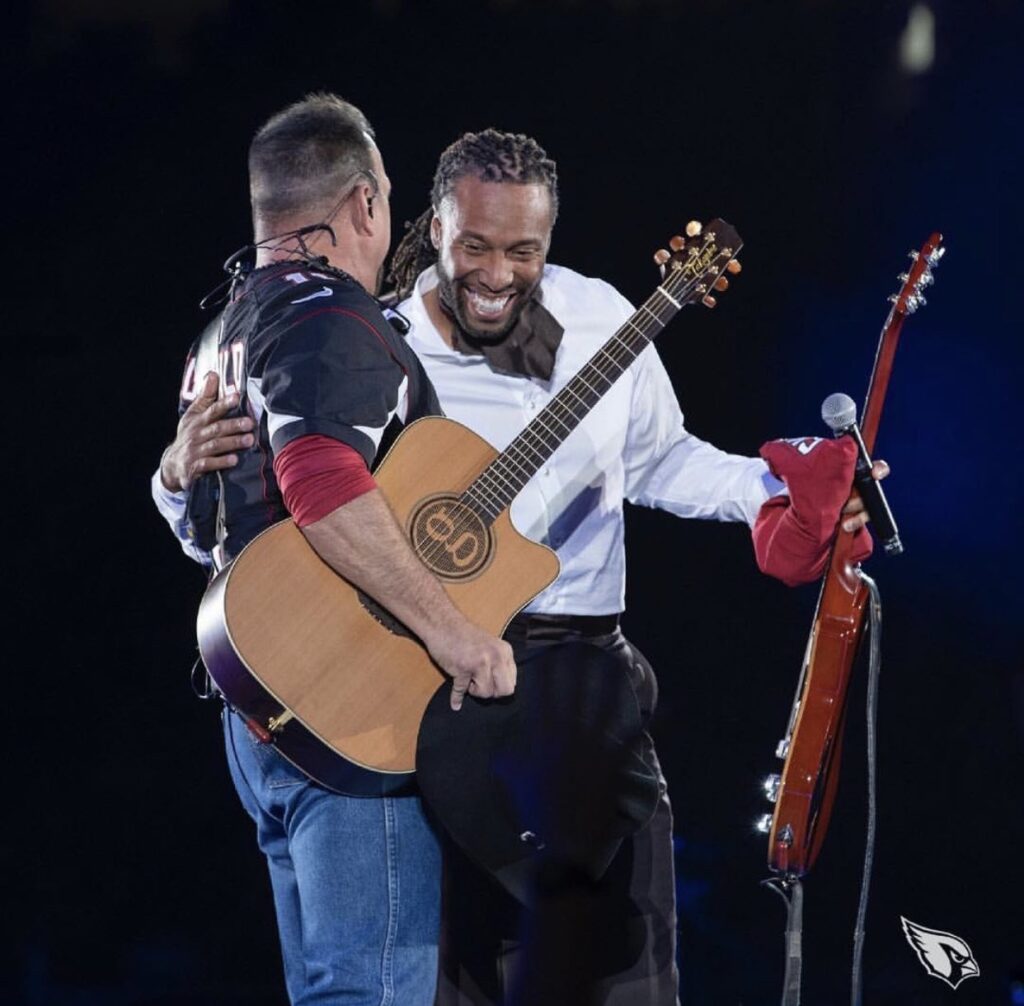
(811,771)
(321,670)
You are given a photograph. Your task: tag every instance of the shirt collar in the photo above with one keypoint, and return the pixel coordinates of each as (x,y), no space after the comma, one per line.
(423,331)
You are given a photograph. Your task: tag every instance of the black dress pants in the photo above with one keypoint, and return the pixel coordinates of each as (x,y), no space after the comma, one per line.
(609,942)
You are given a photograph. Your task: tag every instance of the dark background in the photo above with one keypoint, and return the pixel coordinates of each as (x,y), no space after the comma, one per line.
(132,875)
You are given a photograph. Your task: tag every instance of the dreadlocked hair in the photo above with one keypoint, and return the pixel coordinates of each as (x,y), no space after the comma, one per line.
(491,156)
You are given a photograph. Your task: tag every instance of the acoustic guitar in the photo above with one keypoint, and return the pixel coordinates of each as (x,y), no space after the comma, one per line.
(323,671)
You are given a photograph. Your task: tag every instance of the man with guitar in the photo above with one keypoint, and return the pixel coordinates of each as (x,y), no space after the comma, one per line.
(500,331)
(303,344)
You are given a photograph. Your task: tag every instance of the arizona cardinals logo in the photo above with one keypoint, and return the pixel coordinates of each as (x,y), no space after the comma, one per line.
(803,444)
(943,955)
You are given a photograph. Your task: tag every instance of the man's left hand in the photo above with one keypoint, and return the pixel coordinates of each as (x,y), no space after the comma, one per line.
(206,438)
(854,513)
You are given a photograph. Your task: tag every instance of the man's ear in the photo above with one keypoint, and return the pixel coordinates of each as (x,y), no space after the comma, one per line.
(362,209)
(435,232)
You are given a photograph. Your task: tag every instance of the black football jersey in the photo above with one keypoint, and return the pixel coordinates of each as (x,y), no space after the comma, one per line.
(309,352)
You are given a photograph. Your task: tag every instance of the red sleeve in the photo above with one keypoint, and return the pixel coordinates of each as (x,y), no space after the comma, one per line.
(318,474)
(793,534)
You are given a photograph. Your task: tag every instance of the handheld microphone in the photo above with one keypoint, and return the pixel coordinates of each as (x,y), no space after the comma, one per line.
(839,412)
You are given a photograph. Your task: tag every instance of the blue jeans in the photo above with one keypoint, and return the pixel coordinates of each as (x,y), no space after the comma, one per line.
(356,882)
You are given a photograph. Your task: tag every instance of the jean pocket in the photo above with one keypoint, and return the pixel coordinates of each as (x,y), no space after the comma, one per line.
(279,772)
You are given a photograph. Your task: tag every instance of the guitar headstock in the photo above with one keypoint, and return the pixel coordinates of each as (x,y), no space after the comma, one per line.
(699,262)
(919,276)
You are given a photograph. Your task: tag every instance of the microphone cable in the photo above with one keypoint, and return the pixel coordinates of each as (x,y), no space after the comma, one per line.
(874,671)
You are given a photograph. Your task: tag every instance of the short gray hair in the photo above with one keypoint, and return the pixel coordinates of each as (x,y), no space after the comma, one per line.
(300,159)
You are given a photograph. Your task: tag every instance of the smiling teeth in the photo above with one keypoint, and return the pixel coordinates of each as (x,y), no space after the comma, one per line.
(488,305)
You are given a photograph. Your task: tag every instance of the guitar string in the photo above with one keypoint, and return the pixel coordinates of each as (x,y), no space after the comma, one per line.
(621,350)
(490,491)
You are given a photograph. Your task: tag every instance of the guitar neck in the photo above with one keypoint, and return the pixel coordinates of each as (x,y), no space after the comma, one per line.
(501,481)
(499,484)
(906,301)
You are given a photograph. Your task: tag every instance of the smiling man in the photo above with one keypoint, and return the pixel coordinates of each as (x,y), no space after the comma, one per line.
(500,331)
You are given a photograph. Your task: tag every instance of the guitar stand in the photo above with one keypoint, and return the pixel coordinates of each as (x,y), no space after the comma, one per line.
(791,890)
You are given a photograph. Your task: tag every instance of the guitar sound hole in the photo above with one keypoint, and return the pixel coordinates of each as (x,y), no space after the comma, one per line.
(382,615)
(450,538)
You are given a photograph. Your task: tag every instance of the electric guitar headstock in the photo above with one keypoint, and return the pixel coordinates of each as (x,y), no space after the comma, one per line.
(919,276)
(698,263)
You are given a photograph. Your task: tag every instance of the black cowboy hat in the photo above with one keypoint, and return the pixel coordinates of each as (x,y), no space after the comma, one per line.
(546,782)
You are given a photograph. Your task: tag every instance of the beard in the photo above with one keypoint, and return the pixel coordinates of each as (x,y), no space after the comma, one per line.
(450,292)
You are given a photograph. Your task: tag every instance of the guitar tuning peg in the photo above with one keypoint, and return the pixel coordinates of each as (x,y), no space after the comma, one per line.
(721,284)
(771,785)
(661,256)
(913,255)
(693,228)
(927,278)
(735,267)
(903,277)
(677,243)
(936,255)
(709,301)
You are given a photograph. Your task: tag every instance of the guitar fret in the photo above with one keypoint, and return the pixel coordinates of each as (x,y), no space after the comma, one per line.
(568,388)
(636,328)
(499,480)
(658,321)
(523,441)
(549,411)
(486,476)
(624,346)
(583,380)
(509,475)
(487,499)
(480,506)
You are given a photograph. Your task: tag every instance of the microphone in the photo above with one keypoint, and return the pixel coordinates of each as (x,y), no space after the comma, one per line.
(839,412)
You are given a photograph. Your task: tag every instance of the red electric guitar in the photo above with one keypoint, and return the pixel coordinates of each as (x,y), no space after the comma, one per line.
(804,793)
